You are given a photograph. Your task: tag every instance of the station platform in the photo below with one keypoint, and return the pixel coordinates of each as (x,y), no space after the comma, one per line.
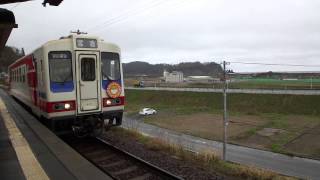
(28,150)
(9,164)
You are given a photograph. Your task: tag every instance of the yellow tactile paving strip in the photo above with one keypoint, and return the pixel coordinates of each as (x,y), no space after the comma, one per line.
(28,162)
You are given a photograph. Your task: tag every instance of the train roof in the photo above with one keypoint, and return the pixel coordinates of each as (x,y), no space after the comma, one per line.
(84,36)
(72,37)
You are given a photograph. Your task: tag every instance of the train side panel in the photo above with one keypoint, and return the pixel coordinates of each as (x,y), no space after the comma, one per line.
(21,80)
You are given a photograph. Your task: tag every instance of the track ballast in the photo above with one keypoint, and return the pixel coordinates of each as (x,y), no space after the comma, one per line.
(115,162)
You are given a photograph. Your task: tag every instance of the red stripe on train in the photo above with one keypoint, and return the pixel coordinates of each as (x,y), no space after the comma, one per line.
(110,102)
(60,106)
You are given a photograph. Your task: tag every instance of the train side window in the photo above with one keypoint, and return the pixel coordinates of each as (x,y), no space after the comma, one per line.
(40,76)
(19,74)
(110,68)
(60,66)
(23,74)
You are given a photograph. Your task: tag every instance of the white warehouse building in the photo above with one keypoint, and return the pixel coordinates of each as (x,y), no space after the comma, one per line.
(174,77)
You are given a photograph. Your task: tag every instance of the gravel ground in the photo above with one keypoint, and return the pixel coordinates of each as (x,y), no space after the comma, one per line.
(187,170)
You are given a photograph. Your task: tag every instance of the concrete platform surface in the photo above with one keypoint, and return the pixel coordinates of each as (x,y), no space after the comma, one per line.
(9,164)
(57,159)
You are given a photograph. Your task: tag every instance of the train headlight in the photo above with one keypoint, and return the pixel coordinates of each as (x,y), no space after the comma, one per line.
(67,106)
(108,102)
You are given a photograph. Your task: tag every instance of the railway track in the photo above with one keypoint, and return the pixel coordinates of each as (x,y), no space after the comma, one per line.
(115,162)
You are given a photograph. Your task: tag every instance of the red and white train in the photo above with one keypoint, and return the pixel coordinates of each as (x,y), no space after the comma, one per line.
(71,83)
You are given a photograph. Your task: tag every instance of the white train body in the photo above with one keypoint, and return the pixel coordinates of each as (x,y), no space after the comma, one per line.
(71,78)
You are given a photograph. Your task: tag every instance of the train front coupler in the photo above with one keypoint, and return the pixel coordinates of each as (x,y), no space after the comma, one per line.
(87,126)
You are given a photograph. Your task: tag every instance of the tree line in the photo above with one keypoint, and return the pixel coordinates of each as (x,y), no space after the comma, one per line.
(139,68)
(7,56)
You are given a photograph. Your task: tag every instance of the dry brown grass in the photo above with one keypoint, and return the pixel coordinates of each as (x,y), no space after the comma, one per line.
(207,159)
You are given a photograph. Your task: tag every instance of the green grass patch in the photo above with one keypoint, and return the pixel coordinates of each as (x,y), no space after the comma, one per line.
(276,148)
(249,133)
(247,83)
(251,104)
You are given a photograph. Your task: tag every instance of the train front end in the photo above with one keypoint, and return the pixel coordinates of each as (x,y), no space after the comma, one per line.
(86,85)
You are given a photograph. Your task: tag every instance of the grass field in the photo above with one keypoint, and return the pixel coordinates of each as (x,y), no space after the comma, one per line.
(275,84)
(250,104)
(294,117)
(243,84)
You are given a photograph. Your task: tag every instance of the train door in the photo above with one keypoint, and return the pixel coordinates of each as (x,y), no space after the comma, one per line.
(88,78)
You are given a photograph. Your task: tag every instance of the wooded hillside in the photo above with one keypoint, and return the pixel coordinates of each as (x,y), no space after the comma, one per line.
(188,68)
(7,56)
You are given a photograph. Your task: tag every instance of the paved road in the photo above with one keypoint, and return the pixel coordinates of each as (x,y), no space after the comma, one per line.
(292,166)
(246,91)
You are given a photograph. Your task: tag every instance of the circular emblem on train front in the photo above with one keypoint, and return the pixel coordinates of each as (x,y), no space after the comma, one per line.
(114,90)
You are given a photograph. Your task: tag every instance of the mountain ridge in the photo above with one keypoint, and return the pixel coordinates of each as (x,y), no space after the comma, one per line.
(139,68)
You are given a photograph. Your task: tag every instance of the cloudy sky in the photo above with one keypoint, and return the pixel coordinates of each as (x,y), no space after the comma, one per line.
(173,31)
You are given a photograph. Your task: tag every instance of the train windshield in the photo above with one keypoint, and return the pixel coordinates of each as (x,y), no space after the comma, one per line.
(60,67)
(110,68)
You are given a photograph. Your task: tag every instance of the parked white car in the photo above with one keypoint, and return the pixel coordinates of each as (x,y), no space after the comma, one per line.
(147,111)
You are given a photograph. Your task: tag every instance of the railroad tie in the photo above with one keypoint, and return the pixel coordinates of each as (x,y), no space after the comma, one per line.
(104,158)
(96,153)
(113,164)
(127,170)
(143,177)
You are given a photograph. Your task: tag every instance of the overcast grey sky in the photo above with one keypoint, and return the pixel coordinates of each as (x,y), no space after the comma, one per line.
(173,31)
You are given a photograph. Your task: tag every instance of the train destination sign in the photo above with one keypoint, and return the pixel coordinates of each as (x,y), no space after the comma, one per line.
(59,55)
(86,43)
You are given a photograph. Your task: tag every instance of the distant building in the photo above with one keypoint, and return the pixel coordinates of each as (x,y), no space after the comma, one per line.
(202,79)
(174,77)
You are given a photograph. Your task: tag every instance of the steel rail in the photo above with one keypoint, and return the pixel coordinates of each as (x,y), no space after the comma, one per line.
(161,172)
(96,145)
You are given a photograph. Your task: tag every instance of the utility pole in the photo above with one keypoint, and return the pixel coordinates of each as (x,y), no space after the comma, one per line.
(225,121)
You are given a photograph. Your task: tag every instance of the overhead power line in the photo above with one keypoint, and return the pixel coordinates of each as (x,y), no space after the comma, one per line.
(15,6)
(123,18)
(127,14)
(135,13)
(176,6)
(274,64)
